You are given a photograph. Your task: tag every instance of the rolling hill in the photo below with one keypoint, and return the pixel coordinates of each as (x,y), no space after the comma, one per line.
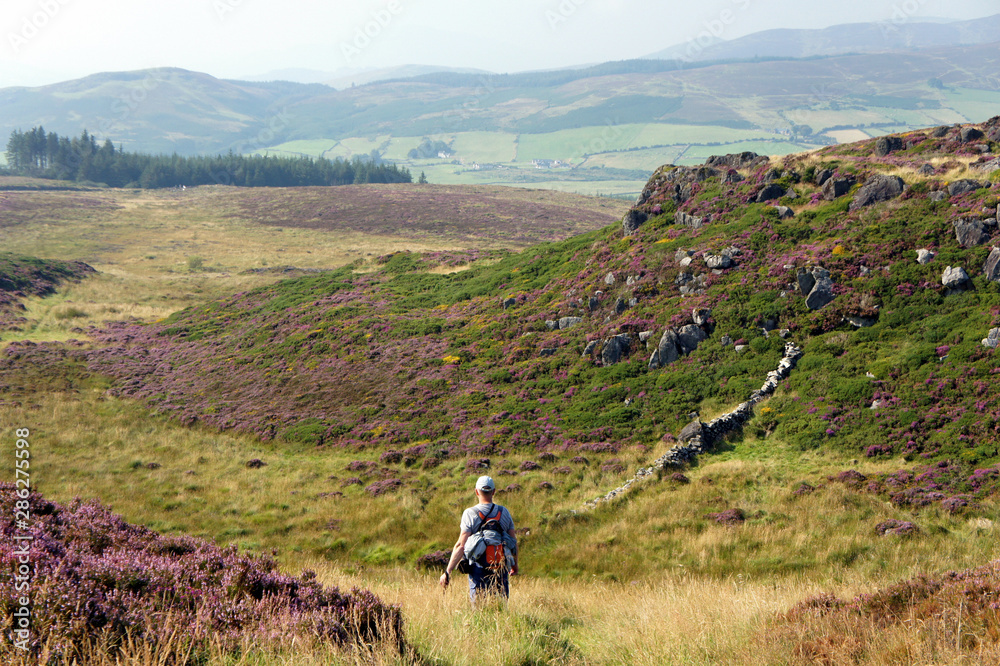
(895,34)
(490,359)
(594,130)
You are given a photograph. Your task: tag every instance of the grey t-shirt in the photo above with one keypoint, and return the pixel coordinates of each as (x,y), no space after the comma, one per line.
(470,518)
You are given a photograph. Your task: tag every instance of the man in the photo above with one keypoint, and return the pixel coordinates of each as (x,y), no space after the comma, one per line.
(480,577)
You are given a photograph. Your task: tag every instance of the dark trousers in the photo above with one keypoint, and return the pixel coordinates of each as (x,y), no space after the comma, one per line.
(486,581)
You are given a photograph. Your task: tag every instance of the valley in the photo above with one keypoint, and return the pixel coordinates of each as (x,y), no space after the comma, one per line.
(320,373)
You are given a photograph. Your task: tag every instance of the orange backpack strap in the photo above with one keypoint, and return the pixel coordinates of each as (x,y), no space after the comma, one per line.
(483,519)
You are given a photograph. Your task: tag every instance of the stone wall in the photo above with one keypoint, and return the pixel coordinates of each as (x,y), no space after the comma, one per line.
(702,436)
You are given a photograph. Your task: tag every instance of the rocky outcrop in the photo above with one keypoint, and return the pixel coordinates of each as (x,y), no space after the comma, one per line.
(924,256)
(676,343)
(615,349)
(886,144)
(689,337)
(633,220)
(690,284)
(784,212)
(964,186)
(718,261)
(878,188)
(674,183)
(569,322)
(970,134)
(927,170)
(736,160)
(970,232)
(697,438)
(770,192)
(691,221)
(667,351)
(834,188)
(986,167)
(992,266)
(816,286)
(822,175)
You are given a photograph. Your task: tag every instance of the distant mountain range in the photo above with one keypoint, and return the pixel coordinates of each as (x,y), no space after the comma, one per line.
(878,37)
(624,118)
(354,76)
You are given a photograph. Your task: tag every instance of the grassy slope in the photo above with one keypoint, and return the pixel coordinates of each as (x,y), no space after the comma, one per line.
(319,331)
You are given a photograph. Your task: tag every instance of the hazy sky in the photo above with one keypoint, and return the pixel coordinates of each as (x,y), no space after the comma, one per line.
(50,40)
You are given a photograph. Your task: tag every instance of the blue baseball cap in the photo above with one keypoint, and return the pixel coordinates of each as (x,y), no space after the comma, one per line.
(486,484)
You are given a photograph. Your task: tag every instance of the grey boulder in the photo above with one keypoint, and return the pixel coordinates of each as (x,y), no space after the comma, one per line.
(615,349)
(971,134)
(689,337)
(992,266)
(964,186)
(992,339)
(718,261)
(878,188)
(837,187)
(691,221)
(770,192)
(970,232)
(633,220)
(667,351)
(954,277)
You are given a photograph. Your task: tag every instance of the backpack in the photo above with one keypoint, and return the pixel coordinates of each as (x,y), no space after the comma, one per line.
(494,557)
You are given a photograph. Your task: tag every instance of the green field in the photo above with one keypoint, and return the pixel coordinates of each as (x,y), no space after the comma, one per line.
(974,104)
(661,134)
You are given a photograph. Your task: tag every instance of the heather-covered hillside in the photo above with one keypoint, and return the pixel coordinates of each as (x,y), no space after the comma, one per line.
(877,258)
(21,277)
(99,584)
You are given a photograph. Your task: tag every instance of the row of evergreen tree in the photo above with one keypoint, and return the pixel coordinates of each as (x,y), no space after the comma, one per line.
(82,159)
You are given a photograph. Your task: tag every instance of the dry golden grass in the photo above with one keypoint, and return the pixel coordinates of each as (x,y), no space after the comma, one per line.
(161,251)
(672,618)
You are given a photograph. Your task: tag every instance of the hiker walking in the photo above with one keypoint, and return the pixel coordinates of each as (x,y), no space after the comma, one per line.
(487,546)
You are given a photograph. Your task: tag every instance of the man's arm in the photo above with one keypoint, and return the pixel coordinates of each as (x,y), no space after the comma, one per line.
(513,536)
(456,555)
